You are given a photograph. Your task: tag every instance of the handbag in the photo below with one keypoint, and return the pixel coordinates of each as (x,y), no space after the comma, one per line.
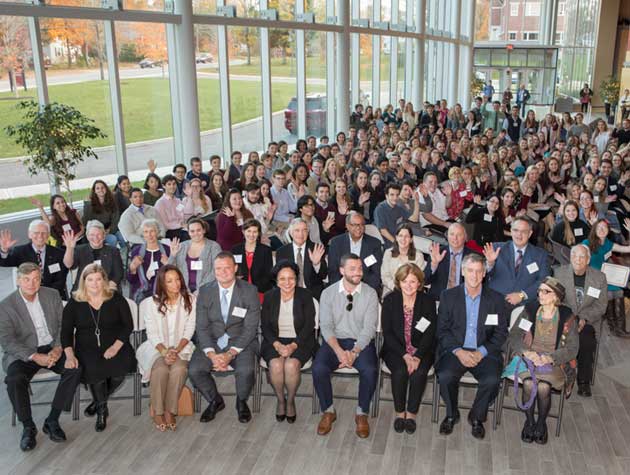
(184,404)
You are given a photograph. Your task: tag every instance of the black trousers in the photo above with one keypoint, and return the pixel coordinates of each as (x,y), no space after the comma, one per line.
(586,354)
(407,389)
(19,375)
(487,373)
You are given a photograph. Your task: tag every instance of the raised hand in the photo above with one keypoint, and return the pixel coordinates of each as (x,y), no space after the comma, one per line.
(151,165)
(175,246)
(316,254)
(436,255)
(228,212)
(626,224)
(491,253)
(69,239)
(6,241)
(36,202)
(365,196)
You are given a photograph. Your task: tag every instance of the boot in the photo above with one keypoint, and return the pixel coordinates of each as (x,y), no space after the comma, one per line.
(620,318)
(100,393)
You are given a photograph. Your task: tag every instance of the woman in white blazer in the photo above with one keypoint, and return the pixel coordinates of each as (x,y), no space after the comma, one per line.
(169,318)
(402,252)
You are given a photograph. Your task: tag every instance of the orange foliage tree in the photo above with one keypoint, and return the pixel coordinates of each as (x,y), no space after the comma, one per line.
(13,39)
(150,40)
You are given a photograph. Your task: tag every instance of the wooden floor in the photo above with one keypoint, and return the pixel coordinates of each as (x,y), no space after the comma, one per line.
(595,439)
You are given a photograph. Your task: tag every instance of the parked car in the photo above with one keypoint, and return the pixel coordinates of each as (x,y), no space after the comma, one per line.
(316,107)
(149,63)
(204,58)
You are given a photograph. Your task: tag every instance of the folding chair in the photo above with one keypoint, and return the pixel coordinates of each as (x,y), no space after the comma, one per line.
(562,254)
(306,369)
(597,340)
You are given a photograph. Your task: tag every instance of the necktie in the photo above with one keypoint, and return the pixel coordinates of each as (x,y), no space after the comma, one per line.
(519,261)
(300,264)
(452,277)
(39,259)
(225,307)
(141,209)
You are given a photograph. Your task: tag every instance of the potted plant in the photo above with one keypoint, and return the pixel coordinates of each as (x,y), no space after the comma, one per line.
(609,93)
(54,136)
(476,86)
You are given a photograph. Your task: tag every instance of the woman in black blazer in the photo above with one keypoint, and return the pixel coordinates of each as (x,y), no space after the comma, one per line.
(288,329)
(255,260)
(409,320)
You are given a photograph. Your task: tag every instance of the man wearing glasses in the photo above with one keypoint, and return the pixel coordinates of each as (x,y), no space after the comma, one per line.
(516,268)
(348,315)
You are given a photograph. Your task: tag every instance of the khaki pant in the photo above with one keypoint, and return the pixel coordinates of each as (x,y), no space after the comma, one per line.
(166,385)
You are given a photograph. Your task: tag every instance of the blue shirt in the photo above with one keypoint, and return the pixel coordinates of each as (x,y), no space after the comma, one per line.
(472,318)
(287,206)
(516,253)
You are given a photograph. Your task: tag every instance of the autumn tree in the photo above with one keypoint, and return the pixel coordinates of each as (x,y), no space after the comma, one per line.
(482,20)
(150,40)
(13,38)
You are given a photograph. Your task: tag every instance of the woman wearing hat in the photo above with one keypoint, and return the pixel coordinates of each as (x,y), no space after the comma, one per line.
(545,334)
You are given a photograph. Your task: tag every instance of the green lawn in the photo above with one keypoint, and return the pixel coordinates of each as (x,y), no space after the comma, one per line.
(146,106)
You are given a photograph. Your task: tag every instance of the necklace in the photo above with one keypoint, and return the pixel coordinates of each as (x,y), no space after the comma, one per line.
(96,321)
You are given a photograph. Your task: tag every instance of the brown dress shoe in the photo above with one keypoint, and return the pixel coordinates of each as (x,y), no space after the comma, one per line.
(326,422)
(363,427)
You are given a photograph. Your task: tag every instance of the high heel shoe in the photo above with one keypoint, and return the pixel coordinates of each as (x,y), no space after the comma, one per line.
(281,417)
(291,419)
(540,435)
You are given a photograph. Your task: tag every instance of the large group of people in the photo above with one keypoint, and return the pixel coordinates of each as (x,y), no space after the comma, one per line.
(309,257)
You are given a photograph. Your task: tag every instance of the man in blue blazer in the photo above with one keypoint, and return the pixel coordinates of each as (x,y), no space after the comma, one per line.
(516,268)
(471,329)
(355,241)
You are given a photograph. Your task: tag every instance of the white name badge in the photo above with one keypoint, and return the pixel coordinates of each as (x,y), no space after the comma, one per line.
(613,187)
(578,232)
(492,319)
(422,325)
(238,258)
(54,268)
(463,194)
(98,262)
(196,265)
(525,325)
(593,292)
(596,199)
(533,267)
(66,227)
(154,265)
(487,217)
(239,312)
(369,260)
(180,208)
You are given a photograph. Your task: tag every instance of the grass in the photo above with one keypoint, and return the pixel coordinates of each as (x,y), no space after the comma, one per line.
(146,106)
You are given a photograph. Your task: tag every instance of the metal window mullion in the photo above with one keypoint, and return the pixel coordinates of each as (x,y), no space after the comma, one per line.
(355,54)
(115,98)
(464,90)
(376,58)
(330,74)
(265,81)
(224,87)
(454,73)
(393,61)
(38,60)
(418,59)
(300,57)
(86,13)
(343,67)
(409,53)
(174,87)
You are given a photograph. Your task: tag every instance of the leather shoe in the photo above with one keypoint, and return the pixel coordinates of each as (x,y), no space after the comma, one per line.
(90,410)
(584,390)
(215,406)
(540,435)
(363,426)
(29,439)
(244,414)
(447,425)
(478,430)
(326,422)
(101,417)
(527,434)
(54,431)
(410,426)
(399,425)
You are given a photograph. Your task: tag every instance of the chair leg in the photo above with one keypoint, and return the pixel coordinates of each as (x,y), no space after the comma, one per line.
(499,403)
(76,404)
(377,393)
(13,417)
(436,400)
(258,389)
(197,399)
(315,402)
(560,411)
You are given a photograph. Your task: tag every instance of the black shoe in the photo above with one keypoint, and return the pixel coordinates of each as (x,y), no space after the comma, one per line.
(211,411)
(527,434)
(447,425)
(410,426)
(244,414)
(29,439)
(540,434)
(281,417)
(291,419)
(399,425)
(584,389)
(101,417)
(54,431)
(90,410)
(478,430)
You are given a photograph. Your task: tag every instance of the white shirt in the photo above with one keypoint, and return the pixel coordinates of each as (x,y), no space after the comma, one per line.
(286,329)
(439,205)
(228,297)
(304,254)
(36,313)
(355,246)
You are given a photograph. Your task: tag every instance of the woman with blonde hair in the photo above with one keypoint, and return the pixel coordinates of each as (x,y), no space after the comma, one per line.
(95,331)
(196,203)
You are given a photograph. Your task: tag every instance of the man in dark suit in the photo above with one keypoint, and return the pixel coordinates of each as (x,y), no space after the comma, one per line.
(516,268)
(472,327)
(308,256)
(355,241)
(48,258)
(30,324)
(95,251)
(228,313)
(444,269)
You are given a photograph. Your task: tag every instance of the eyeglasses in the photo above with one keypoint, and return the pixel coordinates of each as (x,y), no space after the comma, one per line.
(350,298)
(544,291)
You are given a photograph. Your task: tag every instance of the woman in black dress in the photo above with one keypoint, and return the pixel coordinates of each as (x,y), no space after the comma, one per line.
(254,259)
(95,330)
(288,328)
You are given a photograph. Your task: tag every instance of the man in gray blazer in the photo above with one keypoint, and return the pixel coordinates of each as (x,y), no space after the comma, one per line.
(228,314)
(130,224)
(30,324)
(587,296)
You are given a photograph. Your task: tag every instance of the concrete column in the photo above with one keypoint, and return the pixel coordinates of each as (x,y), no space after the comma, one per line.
(343,66)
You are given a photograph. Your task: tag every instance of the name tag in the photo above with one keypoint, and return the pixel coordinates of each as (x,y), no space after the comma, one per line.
(533,267)
(596,199)
(593,292)
(578,232)
(238,258)
(613,187)
(180,208)
(239,312)
(422,325)
(369,260)
(607,255)
(98,262)
(463,194)
(487,217)
(54,268)
(492,319)
(66,227)
(196,265)
(154,265)
(525,325)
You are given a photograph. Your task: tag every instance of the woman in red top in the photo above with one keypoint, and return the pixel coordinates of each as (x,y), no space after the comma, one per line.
(459,193)
(254,259)
(230,220)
